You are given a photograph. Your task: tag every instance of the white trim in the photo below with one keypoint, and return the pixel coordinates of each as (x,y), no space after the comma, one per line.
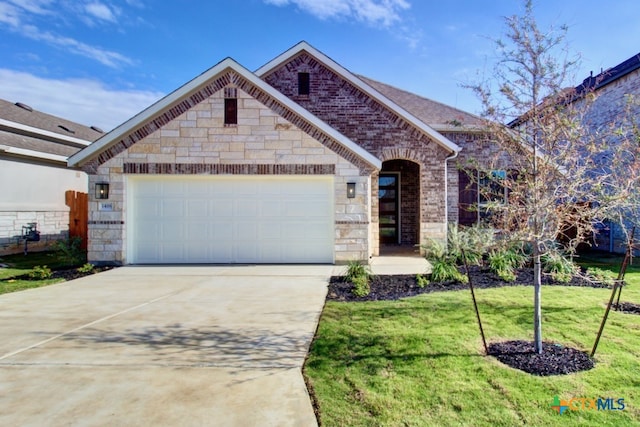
(10,126)
(192,86)
(337,68)
(32,153)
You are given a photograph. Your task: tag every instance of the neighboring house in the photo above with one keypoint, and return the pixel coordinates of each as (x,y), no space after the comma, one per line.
(34,148)
(300,161)
(613,88)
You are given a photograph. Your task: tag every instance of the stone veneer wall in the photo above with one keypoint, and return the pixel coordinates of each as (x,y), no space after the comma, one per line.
(374,127)
(197,140)
(53,226)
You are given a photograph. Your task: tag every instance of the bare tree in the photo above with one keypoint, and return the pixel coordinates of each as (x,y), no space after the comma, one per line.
(558,173)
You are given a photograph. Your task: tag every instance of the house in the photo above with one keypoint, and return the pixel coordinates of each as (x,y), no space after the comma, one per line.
(613,89)
(301,161)
(34,148)
(608,95)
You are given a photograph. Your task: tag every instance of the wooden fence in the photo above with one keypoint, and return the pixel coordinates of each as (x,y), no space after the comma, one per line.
(78,214)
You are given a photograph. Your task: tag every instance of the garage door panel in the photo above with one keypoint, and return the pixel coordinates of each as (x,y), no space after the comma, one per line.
(171,208)
(231,219)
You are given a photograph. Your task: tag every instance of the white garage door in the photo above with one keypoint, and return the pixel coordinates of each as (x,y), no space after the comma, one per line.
(230,219)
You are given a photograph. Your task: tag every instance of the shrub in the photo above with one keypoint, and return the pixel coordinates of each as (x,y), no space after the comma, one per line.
(40,273)
(421,280)
(435,250)
(361,286)
(560,268)
(86,268)
(503,262)
(70,250)
(474,241)
(443,271)
(358,274)
(605,277)
(356,269)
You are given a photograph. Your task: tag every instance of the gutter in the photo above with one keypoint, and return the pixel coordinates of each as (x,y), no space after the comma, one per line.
(446,191)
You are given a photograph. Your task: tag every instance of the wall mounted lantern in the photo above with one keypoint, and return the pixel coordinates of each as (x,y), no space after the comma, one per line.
(351,190)
(102,190)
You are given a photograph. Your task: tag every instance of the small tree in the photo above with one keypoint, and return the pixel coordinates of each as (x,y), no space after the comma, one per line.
(557,178)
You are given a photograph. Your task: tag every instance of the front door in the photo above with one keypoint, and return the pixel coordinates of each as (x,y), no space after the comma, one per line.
(388,208)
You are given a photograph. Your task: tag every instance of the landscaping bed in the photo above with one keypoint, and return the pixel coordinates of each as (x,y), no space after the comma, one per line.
(393,287)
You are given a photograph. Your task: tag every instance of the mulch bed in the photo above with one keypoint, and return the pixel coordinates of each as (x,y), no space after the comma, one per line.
(628,307)
(555,359)
(393,287)
(69,274)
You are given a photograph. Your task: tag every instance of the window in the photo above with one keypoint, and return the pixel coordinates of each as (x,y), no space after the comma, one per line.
(492,188)
(230,106)
(303,83)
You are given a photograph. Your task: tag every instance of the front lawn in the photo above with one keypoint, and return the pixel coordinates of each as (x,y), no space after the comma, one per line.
(14,277)
(419,361)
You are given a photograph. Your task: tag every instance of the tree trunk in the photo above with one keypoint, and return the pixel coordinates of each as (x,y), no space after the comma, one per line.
(537,293)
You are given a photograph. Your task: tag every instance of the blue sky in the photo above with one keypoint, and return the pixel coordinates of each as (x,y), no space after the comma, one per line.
(99,62)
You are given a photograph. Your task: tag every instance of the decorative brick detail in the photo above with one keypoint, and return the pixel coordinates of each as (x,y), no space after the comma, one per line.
(352,222)
(224,169)
(204,93)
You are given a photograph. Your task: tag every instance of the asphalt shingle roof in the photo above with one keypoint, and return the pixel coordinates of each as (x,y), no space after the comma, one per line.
(36,119)
(435,114)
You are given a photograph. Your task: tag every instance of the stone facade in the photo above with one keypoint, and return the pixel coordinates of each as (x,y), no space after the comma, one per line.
(198,142)
(53,226)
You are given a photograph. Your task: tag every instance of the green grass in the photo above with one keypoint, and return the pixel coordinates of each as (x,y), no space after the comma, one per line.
(20,264)
(419,361)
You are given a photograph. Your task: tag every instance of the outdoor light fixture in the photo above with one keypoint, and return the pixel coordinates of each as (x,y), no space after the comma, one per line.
(351,190)
(102,190)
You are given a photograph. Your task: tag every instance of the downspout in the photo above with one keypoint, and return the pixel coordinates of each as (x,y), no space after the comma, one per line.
(446,193)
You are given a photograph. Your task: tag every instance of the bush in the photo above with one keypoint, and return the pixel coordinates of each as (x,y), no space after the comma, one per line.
(40,273)
(560,268)
(358,274)
(443,271)
(504,262)
(421,280)
(70,251)
(474,241)
(361,286)
(86,268)
(605,277)
(356,269)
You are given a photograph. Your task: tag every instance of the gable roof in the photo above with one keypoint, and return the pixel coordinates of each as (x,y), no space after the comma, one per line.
(196,90)
(29,134)
(437,115)
(360,84)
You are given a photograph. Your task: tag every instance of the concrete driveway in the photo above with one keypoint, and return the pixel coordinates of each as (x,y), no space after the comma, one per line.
(203,346)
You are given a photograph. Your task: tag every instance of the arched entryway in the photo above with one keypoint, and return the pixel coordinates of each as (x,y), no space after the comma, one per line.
(399,206)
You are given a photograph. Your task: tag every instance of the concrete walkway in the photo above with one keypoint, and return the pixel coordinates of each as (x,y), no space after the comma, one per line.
(162,346)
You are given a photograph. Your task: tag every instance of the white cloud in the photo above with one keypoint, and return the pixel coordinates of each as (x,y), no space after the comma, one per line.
(9,14)
(20,17)
(373,12)
(100,11)
(85,101)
